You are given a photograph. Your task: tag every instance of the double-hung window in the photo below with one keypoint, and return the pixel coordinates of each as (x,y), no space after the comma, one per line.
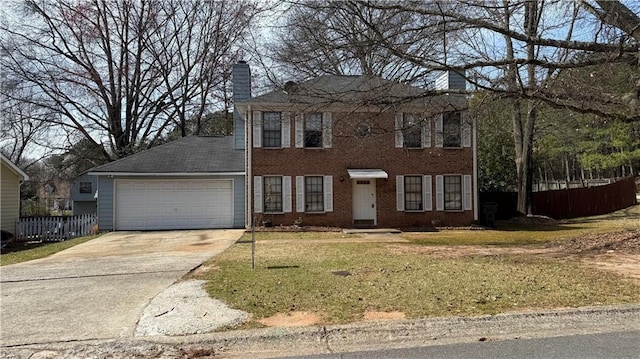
(412,130)
(313,194)
(272,193)
(451,129)
(313,130)
(271,129)
(413,193)
(452,193)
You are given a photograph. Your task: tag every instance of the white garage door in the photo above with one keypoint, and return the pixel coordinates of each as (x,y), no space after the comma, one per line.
(173,204)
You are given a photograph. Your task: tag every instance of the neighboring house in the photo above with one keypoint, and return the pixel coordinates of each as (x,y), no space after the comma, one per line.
(84,194)
(194,182)
(361,151)
(55,193)
(11,176)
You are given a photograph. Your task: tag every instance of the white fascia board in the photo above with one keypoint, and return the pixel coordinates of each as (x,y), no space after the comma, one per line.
(172,174)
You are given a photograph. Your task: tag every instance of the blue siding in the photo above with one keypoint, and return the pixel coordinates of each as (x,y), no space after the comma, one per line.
(238,130)
(105,203)
(238,202)
(84,207)
(75,188)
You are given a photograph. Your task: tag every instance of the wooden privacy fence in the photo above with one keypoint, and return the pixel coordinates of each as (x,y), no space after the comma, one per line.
(581,202)
(568,203)
(55,228)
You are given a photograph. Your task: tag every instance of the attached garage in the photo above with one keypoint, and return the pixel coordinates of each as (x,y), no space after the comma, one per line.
(173,204)
(191,183)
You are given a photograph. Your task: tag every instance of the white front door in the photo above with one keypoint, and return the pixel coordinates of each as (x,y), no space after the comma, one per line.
(364,201)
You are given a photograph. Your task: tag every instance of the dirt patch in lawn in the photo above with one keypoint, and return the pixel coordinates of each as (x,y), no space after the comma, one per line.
(618,251)
(291,319)
(374,315)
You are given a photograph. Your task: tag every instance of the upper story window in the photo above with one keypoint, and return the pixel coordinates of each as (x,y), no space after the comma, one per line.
(412,130)
(313,130)
(451,129)
(86,187)
(271,129)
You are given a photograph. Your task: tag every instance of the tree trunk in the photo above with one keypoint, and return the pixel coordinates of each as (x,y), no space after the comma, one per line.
(523,138)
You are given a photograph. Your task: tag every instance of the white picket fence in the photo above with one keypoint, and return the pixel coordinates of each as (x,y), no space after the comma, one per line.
(55,228)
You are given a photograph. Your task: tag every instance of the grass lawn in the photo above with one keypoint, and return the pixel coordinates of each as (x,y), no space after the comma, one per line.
(299,276)
(22,252)
(509,234)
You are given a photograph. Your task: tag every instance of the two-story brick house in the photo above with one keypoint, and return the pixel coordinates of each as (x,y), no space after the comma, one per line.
(359,151)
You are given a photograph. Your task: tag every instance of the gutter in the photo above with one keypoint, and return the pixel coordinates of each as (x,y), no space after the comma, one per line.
(248,167)
(171,174)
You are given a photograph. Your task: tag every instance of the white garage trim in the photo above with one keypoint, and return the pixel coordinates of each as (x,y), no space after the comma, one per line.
(173,203)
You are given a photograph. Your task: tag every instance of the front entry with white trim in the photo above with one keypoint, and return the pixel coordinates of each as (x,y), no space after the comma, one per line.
(364,202)
(157,204)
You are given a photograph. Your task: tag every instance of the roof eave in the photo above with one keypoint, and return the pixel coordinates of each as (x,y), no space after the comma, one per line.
(15,168)
(165,174)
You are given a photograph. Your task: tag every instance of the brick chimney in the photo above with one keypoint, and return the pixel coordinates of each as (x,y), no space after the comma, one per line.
(241,78)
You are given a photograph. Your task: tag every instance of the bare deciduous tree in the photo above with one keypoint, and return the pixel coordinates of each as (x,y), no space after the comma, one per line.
(515,49)
(121,72)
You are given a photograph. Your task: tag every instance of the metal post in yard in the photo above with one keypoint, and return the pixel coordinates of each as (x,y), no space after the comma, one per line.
(253,243)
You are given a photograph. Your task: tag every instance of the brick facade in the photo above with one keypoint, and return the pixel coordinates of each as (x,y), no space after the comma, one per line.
(374,151)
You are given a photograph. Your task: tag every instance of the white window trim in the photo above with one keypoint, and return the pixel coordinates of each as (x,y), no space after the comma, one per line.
(400,193)
(426,132)
(258,205)
(466,193)
(299,130)
(256,120)
(327,131)
(327,193)
(466,129)
(427,196)
(439,193)
(257,194)
(427,200)
(285,128)
(399,134)
(439,129)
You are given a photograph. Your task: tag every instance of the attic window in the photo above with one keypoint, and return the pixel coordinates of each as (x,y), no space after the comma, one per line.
(86,187)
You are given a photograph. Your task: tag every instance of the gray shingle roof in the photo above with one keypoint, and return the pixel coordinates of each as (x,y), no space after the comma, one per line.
(193,154)
(357,90)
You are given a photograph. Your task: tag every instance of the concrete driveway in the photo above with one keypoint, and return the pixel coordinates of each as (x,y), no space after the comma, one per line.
(98,289)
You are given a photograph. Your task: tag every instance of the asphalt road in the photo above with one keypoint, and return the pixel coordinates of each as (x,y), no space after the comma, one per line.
(604,345)
(98,289)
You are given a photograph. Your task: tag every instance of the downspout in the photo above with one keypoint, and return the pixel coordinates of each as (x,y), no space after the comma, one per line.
(476,196)
(249,171)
